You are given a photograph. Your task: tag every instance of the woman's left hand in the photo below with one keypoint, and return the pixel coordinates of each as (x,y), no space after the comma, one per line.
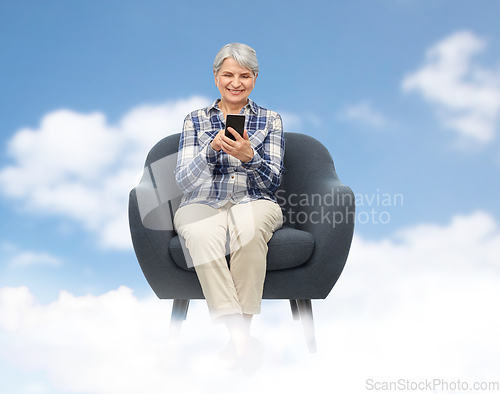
(241,148)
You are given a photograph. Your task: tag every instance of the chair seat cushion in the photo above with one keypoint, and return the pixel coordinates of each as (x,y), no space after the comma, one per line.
(288,248)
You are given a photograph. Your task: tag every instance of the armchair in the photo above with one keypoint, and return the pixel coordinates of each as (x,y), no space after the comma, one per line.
(305,258)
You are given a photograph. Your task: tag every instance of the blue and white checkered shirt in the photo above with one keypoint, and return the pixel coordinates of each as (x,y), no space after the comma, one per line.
(214,178)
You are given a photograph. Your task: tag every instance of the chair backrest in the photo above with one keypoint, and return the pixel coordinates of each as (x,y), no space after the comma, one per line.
(308,166)
(158,196)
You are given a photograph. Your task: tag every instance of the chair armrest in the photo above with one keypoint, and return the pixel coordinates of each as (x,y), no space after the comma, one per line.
(330,218)
(152,250)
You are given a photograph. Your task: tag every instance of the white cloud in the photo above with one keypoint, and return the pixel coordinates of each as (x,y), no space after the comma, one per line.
(291,121)
(295,122)
(79,166)
(30,258)
(363,112)
(418,305)
(104,344)
(466,96)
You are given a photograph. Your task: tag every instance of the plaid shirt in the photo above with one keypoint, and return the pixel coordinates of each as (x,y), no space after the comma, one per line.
(214,178)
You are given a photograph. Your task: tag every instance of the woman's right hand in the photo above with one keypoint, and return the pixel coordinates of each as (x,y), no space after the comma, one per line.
(216,143)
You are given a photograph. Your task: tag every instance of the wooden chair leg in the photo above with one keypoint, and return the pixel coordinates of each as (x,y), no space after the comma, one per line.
(306,315)
(179,313)
(295,309)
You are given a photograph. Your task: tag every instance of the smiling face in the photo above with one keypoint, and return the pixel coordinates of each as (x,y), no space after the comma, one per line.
(235,84)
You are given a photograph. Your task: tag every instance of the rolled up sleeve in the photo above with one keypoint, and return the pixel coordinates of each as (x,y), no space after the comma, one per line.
(195,163)
(265,169)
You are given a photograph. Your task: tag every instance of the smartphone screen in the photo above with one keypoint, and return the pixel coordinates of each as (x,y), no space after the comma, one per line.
(237,122)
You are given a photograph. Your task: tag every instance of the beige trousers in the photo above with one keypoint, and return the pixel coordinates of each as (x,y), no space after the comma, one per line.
(243,231)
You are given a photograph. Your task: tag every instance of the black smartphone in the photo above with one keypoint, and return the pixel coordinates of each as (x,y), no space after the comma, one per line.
(237,122)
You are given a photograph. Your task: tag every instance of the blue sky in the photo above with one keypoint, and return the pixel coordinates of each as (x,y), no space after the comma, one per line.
(405,94)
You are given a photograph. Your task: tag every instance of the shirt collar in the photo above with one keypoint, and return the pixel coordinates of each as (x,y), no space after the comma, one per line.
(214,106)
(253,107)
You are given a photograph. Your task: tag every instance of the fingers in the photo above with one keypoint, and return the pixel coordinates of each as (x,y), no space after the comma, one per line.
(239,148)
(220,136)
(235,134)
(227,144)
(217,141)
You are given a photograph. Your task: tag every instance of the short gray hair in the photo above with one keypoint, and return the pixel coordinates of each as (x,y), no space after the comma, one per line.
(243,54)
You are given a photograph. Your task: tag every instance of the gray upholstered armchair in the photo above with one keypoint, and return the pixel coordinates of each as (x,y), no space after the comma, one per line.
(305,257)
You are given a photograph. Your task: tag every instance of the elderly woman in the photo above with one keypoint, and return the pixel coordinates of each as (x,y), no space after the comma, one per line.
(229,205)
